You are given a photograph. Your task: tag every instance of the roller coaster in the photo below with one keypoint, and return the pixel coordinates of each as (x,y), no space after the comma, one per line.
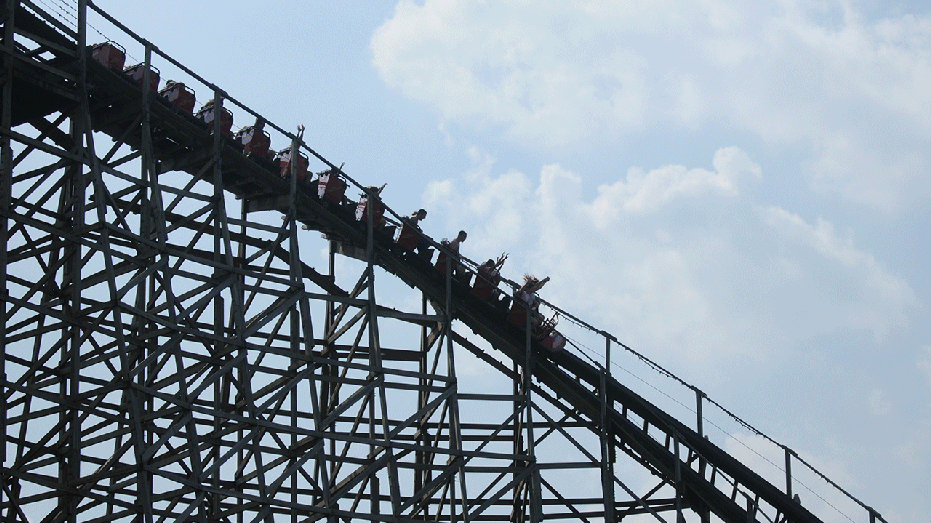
(170,354)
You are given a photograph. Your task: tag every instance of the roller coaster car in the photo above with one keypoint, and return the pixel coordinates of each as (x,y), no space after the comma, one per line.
(518,313)
(459,272)
(486,289)
(485,284)
(110,54)
(136,74)
(256,142)
(362,210)
(382,229)
(270,157)
(544,331)
(548,336)
(284,163)
(554,341)
(440,264)
(409,237)
(207,114)
(330,186)
(179,96)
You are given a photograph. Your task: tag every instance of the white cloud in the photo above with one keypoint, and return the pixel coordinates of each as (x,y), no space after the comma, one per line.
(647,192)
(867,295)
(528,67)
(438,190)
(647,285)
(690,104)
(850,90)
(492,209)
(710,280)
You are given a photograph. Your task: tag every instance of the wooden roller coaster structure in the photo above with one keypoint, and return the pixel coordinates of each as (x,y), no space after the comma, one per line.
(170,354)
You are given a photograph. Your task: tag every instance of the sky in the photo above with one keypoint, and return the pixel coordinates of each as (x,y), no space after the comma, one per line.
(739,191)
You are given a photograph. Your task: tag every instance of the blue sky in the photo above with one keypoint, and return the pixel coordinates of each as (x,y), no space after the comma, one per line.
(740,192)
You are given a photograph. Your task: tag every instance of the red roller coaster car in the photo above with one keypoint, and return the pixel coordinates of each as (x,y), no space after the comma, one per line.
(330,186)
(207,114)
(110,54)
(136,74)
(179,96)
(256,142)
(284,163)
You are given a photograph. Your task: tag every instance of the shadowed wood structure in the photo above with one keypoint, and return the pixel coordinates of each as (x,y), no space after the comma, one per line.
(176,347)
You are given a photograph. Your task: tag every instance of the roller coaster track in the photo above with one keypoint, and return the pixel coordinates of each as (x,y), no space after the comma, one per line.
(164,360)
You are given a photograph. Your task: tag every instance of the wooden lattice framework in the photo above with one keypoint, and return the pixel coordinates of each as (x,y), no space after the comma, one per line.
(171,354)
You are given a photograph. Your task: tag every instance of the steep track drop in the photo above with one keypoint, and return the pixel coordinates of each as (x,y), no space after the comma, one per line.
(54,80)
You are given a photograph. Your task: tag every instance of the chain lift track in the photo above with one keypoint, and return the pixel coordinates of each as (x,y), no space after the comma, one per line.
(169,354)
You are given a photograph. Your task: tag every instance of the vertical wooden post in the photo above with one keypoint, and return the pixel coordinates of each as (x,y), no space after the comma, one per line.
(6,199)
(607,464)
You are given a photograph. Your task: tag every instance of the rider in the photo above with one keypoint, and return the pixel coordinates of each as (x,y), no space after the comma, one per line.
(528,294)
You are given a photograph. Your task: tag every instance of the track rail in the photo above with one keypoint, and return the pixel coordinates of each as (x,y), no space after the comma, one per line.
(706,479)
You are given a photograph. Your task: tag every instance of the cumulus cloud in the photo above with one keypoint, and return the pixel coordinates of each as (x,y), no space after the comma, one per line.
(646,192)
(757,259)
(491,208)
(851,91)
(525,66)
(710,279)
(868,295)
